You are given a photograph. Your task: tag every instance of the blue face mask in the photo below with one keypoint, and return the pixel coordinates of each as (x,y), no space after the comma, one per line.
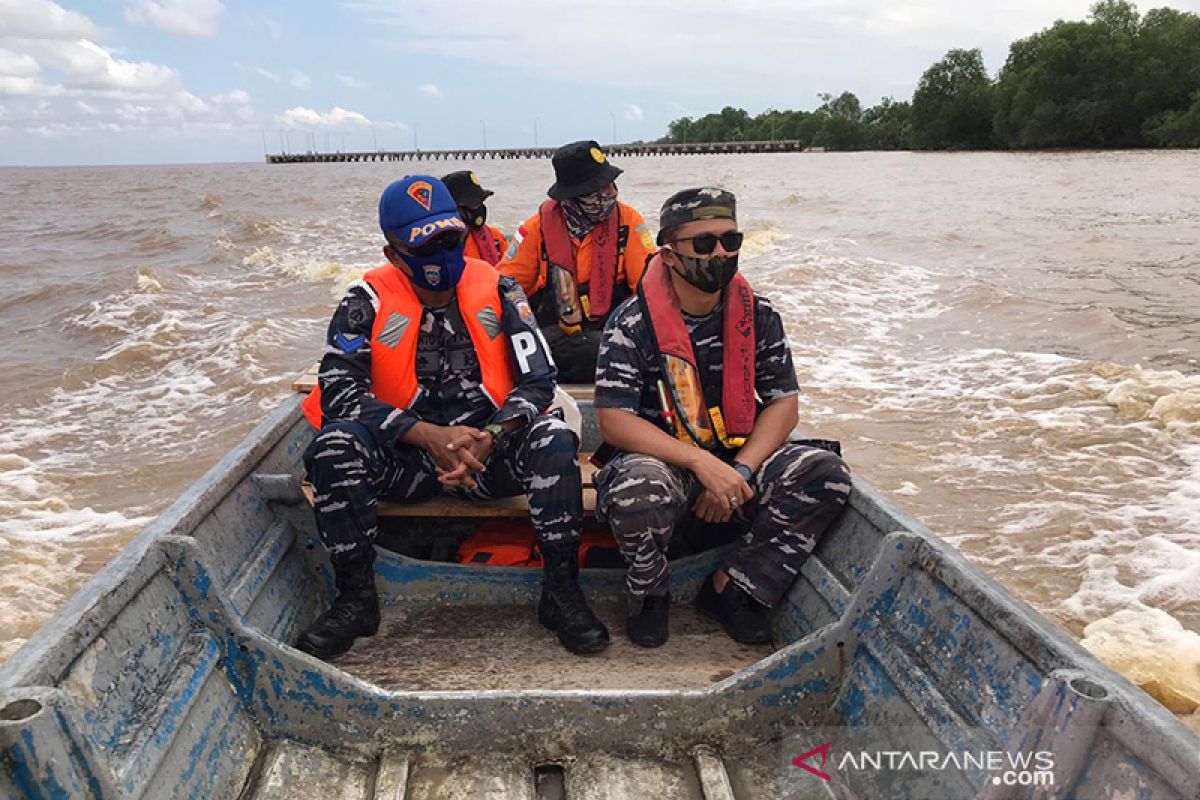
(435,267)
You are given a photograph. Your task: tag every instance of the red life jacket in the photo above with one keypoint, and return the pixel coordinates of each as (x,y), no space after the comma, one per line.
(514,544)
(394,367)
(730,422)
(484,239)
(606,253)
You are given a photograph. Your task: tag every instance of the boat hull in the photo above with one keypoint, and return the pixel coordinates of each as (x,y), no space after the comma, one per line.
(171,675)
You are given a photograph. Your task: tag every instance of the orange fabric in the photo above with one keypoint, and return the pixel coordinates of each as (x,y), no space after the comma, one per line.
(393,369)
(525,264)
(495,247)
(514,544)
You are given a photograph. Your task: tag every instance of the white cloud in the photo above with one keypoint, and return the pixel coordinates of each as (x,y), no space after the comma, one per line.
(782,48)
(237,96)
(301,117)
(300,80)
(235,102)
(17,65)
(430,90)
(42,19)
(634,113)
(351,82)
(63,83)
(266,73)
(87,65)
(30,87)
(180,17)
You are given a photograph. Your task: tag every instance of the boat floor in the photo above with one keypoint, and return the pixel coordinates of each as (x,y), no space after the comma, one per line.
(470,648)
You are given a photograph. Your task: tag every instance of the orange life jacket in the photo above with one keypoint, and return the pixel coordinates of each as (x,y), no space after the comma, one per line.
(485,243)
(689,415)
(514,544)
(394,368)
(559,252)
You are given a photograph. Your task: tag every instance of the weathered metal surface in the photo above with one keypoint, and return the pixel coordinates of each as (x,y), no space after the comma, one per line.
(322,775)
(457,648)
(170,674)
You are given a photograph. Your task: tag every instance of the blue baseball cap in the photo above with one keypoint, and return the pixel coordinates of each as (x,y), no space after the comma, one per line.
(416,208)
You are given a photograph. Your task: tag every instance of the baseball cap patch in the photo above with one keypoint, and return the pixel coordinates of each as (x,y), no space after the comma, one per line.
(597,155)
(422,192)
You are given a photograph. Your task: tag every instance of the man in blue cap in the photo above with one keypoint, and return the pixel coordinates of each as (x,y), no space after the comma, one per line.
(435,379)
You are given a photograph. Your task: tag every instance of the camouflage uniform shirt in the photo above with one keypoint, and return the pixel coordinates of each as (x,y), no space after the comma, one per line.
(628,368)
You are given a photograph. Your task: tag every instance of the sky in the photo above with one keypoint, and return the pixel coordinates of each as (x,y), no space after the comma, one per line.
(184,81)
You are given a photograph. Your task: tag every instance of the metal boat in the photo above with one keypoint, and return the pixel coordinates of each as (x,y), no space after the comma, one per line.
(171,675)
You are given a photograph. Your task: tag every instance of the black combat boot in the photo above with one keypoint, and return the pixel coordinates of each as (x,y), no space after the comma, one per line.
(742,617)
(648,627)
(563,608)
(354,613)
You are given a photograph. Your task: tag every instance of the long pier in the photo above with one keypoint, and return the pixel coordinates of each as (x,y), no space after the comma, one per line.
(480,153)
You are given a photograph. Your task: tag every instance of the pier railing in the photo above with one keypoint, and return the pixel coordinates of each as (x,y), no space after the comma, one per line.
(479,153)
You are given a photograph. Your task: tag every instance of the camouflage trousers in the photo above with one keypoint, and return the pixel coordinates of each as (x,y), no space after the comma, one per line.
(350,474)
(798,492)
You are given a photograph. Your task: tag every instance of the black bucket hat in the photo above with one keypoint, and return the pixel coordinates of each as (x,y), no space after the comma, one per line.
(580,168)
(465,188)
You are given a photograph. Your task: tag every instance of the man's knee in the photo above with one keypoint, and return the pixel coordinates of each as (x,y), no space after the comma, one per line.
(818,473)
(642,490)
(340,449)
(551,439)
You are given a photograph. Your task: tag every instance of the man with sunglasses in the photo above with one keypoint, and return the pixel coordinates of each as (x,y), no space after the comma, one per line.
(578,257)
(435,379)
(483,241)
(696,391)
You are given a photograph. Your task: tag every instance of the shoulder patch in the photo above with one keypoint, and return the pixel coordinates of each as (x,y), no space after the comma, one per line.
(393,329)
(349,344)
(643,232)
(490,320)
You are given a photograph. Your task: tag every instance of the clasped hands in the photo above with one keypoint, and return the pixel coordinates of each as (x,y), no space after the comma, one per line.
(458,451)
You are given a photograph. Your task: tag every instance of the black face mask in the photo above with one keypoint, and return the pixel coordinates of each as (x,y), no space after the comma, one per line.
(710,275)
(474,217)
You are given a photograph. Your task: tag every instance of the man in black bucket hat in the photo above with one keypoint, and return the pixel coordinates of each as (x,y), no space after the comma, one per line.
(578,257)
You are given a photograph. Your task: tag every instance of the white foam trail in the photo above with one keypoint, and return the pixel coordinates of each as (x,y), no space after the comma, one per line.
(1084,468)
(1154,651)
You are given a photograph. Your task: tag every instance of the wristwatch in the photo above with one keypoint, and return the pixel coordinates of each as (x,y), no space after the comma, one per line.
(743,470)
(499,434)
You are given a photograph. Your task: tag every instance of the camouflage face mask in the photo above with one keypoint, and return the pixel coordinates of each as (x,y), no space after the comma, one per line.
(597,205)
(710,274)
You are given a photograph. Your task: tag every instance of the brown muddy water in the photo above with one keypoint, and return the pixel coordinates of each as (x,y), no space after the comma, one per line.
(1008,345)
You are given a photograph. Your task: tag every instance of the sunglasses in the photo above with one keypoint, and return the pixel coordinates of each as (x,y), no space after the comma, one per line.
(451,240)
(705,243)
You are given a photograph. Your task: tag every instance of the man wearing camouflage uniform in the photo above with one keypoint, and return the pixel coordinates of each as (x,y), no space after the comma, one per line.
(453,404)
(696,389)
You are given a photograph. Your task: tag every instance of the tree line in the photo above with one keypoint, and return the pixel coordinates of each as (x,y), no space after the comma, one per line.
(1117,79)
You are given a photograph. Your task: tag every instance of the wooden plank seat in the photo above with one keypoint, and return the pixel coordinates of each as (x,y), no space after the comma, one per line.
(508,507)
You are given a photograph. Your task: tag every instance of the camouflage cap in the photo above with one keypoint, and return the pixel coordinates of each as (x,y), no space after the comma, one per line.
(691,205)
